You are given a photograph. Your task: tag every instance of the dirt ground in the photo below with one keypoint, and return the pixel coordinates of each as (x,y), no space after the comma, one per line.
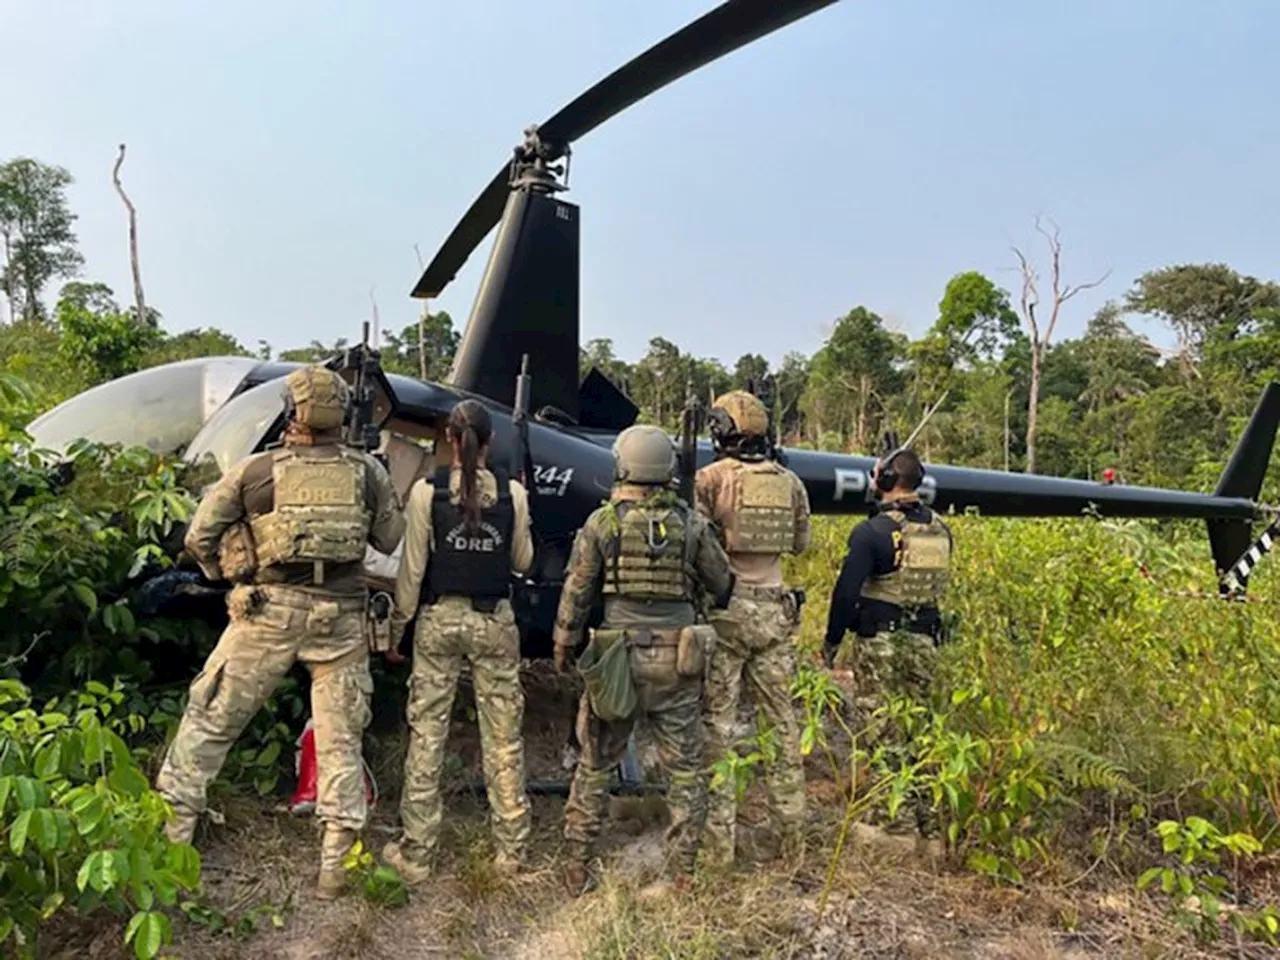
(885,898)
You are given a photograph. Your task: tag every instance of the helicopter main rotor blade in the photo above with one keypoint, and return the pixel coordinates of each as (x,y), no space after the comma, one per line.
(729,26)
(713,35)
(480,218)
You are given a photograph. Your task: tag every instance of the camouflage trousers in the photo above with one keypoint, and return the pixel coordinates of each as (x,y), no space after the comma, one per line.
(894,664)
(754,647)
(447,633)
(271,628)
(671,708)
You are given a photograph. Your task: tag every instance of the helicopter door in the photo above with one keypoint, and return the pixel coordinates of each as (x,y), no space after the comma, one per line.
(408,460)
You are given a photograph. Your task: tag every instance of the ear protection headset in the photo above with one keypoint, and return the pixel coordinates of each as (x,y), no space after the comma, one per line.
(886,476)
(721,426)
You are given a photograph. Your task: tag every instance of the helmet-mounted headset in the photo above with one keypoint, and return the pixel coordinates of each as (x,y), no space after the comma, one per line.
(886,478)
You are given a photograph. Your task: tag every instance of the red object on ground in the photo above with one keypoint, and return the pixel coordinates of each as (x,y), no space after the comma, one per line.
(1108,475)
(303,800)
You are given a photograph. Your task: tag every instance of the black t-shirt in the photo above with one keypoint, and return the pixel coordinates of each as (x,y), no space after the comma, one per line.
(871,554)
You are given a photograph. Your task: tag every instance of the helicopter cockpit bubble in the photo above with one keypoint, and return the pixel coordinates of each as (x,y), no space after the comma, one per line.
(162,408)
(239,428)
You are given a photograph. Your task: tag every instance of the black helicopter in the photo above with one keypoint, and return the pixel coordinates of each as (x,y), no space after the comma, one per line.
(558,431)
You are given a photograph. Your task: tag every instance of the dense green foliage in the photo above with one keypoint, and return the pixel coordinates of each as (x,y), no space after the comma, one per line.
(83,828)
(1085,707)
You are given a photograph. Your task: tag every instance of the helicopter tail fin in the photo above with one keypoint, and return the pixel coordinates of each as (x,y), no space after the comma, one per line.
(527,304)
(1243,476)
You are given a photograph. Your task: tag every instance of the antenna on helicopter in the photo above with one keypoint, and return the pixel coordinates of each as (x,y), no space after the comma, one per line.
(928,415)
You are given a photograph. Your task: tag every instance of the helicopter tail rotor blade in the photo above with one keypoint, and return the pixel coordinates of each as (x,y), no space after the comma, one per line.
(729,26)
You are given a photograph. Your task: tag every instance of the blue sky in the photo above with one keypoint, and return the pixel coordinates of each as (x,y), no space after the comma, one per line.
(286,156)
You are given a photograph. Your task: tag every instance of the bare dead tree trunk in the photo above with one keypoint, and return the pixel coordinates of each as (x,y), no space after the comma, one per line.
(138,299)
(8,287)
(1029,300)
(1007,395)
(422,326)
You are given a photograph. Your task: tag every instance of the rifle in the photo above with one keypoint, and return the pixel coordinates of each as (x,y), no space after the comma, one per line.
(362,432)
(763,390)
(690,424)
(521,457)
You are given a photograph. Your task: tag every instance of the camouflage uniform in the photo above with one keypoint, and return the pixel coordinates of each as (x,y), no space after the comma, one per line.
(760,510)
(291,525)
(648,602)
(452,628)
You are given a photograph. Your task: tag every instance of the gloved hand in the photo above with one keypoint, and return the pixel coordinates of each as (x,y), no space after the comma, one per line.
(562,658)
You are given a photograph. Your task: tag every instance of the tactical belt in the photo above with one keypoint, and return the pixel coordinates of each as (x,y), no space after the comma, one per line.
(883,617)
(478,604)
(751,591)
(304,600)
(640,636)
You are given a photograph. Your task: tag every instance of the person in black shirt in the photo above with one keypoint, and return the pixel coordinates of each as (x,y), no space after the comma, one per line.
(894,574)
(897,565)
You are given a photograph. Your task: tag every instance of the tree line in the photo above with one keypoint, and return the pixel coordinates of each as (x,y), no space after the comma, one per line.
(1009,393)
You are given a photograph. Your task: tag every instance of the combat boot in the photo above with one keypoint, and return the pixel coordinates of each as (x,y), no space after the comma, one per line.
(410,871)
(577,877)
(508,864)
(333,876)
(792,845)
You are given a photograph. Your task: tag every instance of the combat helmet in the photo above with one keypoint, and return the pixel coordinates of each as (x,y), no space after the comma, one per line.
(316,397)
(644,454)
(737,420)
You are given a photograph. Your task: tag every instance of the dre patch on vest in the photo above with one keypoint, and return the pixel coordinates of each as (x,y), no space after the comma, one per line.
(307,483)
(485,539)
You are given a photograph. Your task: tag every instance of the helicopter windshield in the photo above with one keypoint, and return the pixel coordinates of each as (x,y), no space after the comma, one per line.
(237,429)
(161,408)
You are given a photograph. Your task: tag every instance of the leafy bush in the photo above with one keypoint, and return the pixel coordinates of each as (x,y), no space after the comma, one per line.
(73,541)
(82,829)
(1085,703)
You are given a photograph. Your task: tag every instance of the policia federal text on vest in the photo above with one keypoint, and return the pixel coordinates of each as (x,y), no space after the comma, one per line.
(469,562)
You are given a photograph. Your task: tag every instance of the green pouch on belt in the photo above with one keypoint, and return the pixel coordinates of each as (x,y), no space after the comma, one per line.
(606,673)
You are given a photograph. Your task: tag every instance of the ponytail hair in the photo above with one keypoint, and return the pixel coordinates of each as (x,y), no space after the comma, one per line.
(469,428)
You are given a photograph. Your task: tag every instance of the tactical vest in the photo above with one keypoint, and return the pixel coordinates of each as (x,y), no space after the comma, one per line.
(652,553)
(469,563)
(923,552)
(761,515)
(319,513)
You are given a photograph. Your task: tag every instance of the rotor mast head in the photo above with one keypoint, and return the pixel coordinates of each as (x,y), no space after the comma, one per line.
(532,164)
